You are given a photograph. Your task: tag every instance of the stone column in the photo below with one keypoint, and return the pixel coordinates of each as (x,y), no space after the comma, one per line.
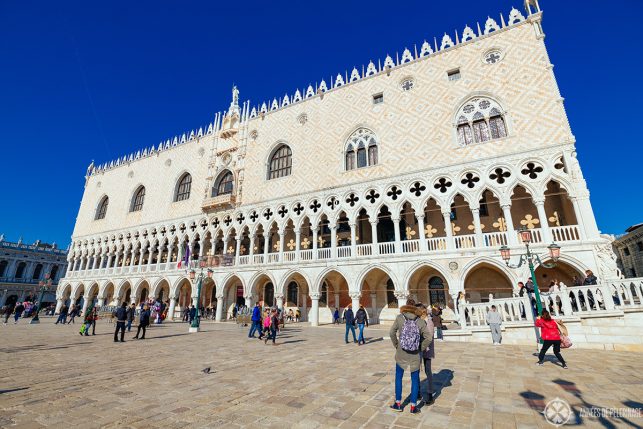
(249,301)
(304,310)
(353,239)
(337,300)
(447,228)
(220,306)
(266,246)
(509,223)
(355,300)
(333,241)
(59,304)
(398,239)
(101,302)
(421,232)
(315,238)
(314,311)
(86,300)
(282,236)
(170,311)
(544,222)
(401,296)
(280,301)
(297,243)
(237,251)
(587,216)
(579,218)
(477,227)
(251,251)
(374,235)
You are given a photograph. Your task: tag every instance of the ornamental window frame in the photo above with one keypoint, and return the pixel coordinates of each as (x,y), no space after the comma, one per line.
(138,199)
(361,149)
(221,186)
(279,163)
(183,187)
(480,119)
(101,209)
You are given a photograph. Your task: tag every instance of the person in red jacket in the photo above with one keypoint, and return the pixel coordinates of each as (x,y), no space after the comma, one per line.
(551,337)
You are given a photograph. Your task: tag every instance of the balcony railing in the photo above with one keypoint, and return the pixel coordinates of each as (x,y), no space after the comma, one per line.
(468,242)
(218,202)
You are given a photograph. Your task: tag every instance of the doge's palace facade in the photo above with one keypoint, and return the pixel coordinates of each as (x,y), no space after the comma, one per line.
(400,178)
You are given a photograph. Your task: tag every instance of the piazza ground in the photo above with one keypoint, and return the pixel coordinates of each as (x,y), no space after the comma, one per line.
(52,377)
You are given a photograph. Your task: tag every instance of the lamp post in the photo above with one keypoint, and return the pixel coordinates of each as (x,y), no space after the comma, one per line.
(197,322)
(530,258)
(44,285)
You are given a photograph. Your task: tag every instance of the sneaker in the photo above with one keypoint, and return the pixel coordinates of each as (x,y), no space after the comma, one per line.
(429,400)
(414,409)
(565,367)
(539,363)
(396,407)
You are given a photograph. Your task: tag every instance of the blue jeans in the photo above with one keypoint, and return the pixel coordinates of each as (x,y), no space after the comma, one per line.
(415,384)
(361,332)
(129,325)
(256,327)
(350,327)
(273,335)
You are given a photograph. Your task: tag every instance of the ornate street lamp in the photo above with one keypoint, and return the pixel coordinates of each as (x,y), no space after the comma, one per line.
(193,277)
(44,285)
(531,258)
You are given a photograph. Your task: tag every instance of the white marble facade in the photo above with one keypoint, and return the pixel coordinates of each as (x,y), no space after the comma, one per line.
(400,178)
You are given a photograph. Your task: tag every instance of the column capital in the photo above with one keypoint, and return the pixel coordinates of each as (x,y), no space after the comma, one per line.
(419,216)
(445,214)
(279,296)
(373,221)
(539,201)
(401,294)
(315,295)
(475,209)
(355,295)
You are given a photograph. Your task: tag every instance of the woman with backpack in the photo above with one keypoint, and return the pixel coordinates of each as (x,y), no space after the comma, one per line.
(551,337)
(414,337)
(428,354)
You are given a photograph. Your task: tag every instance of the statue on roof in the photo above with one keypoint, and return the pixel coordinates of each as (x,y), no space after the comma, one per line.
(234,104)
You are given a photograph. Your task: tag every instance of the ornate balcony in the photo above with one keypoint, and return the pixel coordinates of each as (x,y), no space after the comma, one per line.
(219,202)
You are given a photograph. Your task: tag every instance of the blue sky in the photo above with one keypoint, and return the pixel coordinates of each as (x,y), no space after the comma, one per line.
(96,80)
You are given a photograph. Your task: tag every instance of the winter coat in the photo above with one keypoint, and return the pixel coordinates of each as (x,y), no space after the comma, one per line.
(429,352)
(349,317)
(145,318)
(548,329)
(409,360)
(130,314)
(121,314)
(590,280)
(361,317)
(19,309)
(256,314)
(435,317)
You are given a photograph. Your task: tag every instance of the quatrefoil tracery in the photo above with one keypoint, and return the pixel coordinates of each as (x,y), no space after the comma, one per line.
(532,170)
(417,189)
(315,206)
(254,216)
(283,211)
(352,199)
(443,184)
(268,214)
(499,175)
(372,196)
(470,180)
(394,192)
(298,209)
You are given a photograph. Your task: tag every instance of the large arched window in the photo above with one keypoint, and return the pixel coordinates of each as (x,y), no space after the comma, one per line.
(361,149)
(20,271)
(3,268)
(37,272)
(224,185)
(280,162)
(437,294)
(54,273)
(479,120)
(101,211)
(138,199)
(183,188)
(292,294)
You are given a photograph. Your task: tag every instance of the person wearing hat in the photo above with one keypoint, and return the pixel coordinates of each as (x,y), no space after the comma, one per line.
(349,317)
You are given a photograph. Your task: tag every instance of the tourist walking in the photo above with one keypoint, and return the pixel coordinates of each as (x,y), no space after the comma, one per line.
(413,338)
(17,312)
(436,316)
(551,337)
(349,319)
(494,319)
(265,324)
(192,314)
(121,318)
(256,321)
(62,316)
(143,322)
(361,318)
(427,355)
(72,314)
(94,319)
(336,316)
(274,324)
(131,314)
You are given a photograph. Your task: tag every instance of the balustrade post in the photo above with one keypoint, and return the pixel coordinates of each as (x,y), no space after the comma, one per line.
(544,223)
(421,232)
(608,301)
(297,244)
(529,312)
(477,227)
(396,229)
(449,230)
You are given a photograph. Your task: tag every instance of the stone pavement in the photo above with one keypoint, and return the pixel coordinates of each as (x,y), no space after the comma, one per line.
(52,377)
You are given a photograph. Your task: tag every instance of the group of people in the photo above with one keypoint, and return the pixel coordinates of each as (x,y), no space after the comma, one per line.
(266,325)
(125,316)
(21,309)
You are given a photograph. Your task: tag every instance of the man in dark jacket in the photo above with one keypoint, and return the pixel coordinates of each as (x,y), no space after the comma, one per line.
(192,313)
(361,318)
(143,322)
(256,322)
(62,316)
(410,327)
(20,308)
(349,317)
(121,319)
(131,314)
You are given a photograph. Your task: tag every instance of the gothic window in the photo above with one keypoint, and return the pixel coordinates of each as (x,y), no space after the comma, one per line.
(361,150)
(323,298)
(437,294)
(3,268)
(479,120)
(280,162)
(138,199)
(292,294)
(350,157)
(391,299)
(224,185)
(101,211)
(183,188)
(484,207)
